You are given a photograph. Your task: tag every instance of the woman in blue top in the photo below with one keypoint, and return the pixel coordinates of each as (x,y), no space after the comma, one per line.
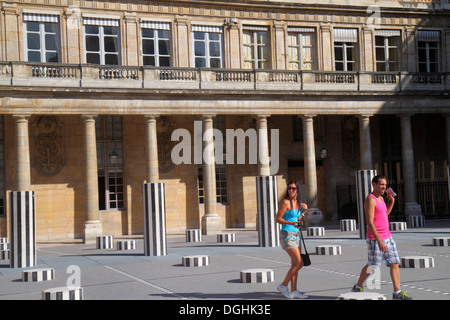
(289,215)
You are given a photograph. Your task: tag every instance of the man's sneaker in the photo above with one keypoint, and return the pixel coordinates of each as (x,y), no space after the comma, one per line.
(284,291)
(355,289)
(298,295)
(401,296)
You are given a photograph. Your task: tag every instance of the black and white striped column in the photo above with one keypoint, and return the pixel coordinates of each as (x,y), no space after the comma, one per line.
(363,189)
(267,203)
(22,229)
(155,238)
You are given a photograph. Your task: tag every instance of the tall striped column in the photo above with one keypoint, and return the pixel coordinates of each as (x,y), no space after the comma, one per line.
(155,239)
(22,229)
(267,203)
(363,189)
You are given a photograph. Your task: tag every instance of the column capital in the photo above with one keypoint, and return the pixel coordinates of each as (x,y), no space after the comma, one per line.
(18,117)
(151,116)
(405,115)
(208,115)
(261,116)
(362,116)
(307,116)
(89,116)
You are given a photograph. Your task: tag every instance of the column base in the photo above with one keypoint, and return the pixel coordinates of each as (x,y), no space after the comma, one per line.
(211,224)
(412,209)
(92,229)
(314,217)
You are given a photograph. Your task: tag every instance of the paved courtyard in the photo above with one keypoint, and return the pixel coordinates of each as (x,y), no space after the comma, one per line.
(109,274)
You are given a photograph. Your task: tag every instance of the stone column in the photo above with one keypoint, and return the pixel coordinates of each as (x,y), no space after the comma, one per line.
(211,221)
(23,153)
(92,225)
(263,146)
(152,149)
(411,207)
(315,214)
(155,238)
(22,216)
(365,142)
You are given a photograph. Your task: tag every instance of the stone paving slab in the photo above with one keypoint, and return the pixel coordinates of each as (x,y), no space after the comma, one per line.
(109,274)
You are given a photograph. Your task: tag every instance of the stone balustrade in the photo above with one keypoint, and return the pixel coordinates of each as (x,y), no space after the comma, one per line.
(99,76)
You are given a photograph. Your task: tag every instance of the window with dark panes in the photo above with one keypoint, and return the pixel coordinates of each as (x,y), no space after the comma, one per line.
(208,46)
(101,41)
(156,44)
(41,37)
(387,50)
(428,47)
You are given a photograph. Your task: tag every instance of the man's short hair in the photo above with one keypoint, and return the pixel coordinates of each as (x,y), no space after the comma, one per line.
(377,178)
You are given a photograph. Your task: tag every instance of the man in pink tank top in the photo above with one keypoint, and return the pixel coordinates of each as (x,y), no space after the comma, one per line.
(380,244)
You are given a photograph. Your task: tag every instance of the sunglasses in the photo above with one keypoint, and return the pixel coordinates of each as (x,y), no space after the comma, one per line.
(292,189)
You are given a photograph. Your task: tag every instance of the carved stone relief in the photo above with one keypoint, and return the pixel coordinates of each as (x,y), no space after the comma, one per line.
(48,148)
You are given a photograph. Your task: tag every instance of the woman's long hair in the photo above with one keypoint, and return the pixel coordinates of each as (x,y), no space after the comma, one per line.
(297,185)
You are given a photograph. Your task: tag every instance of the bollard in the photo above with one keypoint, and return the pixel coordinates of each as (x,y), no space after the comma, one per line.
(38,275)
(23,229)
(315,231)
(348,225)
(441,241)
(155,237)
(417,262)
(267,207)
(193,235)
(416,221)
(63,293)
(362,296)
(397,226)
(105,242)
(126,245)
(331,250)
(363,189)
(195,261)
(226,237)
(257,276)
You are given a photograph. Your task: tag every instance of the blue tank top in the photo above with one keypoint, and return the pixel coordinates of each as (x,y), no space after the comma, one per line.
(291,216)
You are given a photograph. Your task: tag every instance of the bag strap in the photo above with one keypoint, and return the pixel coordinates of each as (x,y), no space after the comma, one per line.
(303,240)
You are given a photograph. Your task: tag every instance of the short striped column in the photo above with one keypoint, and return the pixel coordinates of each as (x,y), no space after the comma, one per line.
(348,225)
(315,231)
(4,246)
(441,242)
(397,226)
(63,293)
(4,254)
(22,229)
(193,235)
(362,296)
(257,276)
(3,240)
(195,261)
(328,250)
(267,206)
(105,242)
(126,245)
(417,262)
(416,221)
(363,189)
(226,237)
(155,237)
(38,275)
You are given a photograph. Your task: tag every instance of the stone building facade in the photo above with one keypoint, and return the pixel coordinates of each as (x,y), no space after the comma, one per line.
(99,97)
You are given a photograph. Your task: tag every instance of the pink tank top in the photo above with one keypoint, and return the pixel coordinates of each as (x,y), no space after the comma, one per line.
(380,220)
